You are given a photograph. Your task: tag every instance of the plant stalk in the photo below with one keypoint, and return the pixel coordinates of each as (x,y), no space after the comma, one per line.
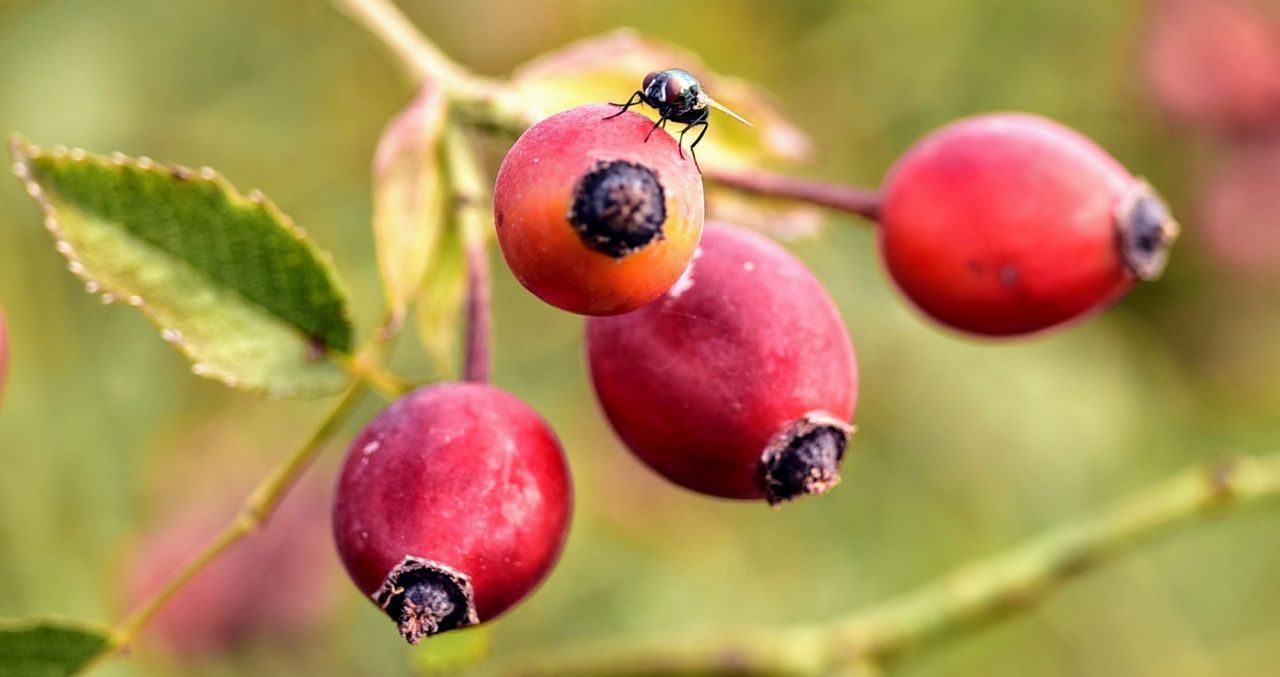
(257,508)
(474,220)
(957,603)
(840,197)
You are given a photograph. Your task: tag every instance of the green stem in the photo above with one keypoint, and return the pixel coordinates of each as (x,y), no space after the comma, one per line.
(957,603)
(483,101)
(474,220)
(255,511)
(414,52)
(1025,575)
(838,196)
(367,370)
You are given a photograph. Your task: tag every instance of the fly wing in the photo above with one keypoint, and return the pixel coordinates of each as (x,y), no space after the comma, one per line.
(720,107)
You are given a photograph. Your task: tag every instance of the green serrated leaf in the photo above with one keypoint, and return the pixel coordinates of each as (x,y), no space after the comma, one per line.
(609,67)
(440,303)
(230,281)
(49,648)
(408,197)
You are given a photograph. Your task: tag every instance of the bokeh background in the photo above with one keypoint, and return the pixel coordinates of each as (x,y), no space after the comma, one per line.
(109,445)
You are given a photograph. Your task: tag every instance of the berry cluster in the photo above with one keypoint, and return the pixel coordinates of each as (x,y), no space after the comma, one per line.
(717,356)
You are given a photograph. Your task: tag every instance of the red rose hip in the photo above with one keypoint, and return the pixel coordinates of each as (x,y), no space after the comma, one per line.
(239,597)
(452,505)
(592,217)
(1240,216)
(739,382)
(1008,224)
(1216,63)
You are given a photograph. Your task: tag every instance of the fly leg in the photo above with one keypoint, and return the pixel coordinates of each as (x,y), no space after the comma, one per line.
(635,99)
(662,122)
(700,122)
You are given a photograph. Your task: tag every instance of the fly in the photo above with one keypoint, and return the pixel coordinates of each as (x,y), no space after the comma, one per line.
(677,96)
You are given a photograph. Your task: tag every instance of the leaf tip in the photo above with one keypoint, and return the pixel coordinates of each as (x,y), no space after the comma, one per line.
(17,144)
(22,153)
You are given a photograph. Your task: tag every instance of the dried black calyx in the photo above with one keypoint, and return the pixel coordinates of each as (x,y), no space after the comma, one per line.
(618,207)
(1146,231)
(804,459)
(426,598)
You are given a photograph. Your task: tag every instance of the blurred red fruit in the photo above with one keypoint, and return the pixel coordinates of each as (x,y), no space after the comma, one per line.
(1216,63)
(273,585)
(1008,224)
(1241,212)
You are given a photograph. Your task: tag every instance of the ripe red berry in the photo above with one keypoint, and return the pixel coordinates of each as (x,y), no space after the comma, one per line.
(1216,63)
(1240,214)
(739,382)
(591,217)
(451,507)
(239,597)
(1008,224)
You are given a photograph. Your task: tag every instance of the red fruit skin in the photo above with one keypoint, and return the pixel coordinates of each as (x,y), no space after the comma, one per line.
(1240,212)
(1215,63)
(276,584)
(698,383)
(462,474)
(1005,224)
(534,192)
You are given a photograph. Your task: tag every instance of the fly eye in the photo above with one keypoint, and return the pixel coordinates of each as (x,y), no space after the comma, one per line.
(648,80)
(673,90)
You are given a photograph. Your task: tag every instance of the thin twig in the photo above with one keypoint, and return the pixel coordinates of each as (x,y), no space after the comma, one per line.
(365,369)
(417,54)
(1025,575)
(474,221)
(850,199)
(257,508)
(479,359)
(957,603)
(485,102)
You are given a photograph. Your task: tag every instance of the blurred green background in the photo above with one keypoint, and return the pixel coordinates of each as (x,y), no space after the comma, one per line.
(963,447)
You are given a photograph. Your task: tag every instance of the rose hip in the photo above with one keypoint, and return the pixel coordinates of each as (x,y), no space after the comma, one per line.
(273,586)
(1008,224)
(739,382)
(1216,63)
(591,217)
(452,506)
(1239,211)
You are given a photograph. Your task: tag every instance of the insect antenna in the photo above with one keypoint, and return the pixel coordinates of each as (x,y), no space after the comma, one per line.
(722,108)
